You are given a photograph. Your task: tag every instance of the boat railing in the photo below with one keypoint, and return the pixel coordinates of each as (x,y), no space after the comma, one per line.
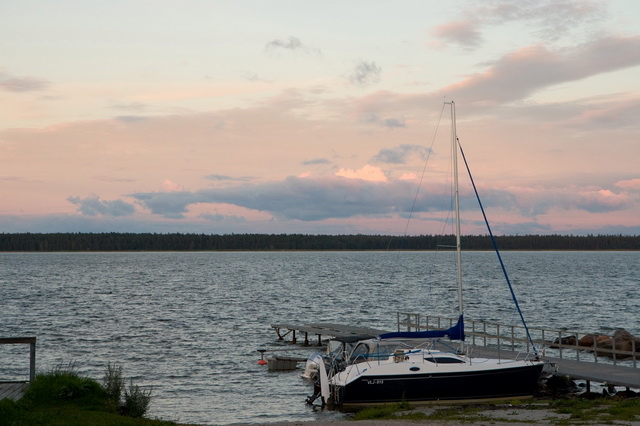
(556,343)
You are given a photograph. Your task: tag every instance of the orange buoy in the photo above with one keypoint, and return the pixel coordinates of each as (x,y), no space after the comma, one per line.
(262,361)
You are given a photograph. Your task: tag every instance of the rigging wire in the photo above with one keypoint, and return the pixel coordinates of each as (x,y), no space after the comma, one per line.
(420,181)
(424,170)
(418,188)
(495,247)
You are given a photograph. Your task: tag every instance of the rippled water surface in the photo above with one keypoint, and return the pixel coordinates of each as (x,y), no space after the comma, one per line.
(188,324)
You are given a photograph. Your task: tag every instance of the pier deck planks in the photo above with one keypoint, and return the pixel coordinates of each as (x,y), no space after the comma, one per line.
(583,370)
(12,390)
(323,329)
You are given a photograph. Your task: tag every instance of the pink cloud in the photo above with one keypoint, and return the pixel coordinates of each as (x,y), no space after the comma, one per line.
(519,74)
(631,184)
(169,186)
(464,33)
(369,173)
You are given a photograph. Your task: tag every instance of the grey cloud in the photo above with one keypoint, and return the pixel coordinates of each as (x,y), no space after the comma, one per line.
(218,177)
(595,204)
(393,123)
(22,84)
(365,73)
(171,205)
(521,73)
(225,178)
(532,204)
(315,200)
(295,198)
(399,154)
(292,44)
(93,206)
(217,217)
(316,161)
(547,19)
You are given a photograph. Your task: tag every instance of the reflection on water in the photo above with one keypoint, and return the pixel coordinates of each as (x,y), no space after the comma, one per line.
(189,324)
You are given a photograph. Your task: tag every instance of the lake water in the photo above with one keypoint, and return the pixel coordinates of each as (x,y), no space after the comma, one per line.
(188,325)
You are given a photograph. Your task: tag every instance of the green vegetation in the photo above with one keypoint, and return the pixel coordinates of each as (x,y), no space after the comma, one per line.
(404,411)
(564,411)
(61,397)
(264,242)
(605,410)
(380,412)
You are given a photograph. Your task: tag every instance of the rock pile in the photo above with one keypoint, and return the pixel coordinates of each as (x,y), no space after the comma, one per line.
(621,340)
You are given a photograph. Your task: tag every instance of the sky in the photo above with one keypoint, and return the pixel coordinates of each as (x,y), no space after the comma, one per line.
(331,117)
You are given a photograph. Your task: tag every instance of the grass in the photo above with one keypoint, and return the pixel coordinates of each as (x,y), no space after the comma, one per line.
(381,412)
(604,410)
(564,411)
(62,397)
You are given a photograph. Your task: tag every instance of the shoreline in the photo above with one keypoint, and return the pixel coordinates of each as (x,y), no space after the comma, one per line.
(577,410)
(563,402)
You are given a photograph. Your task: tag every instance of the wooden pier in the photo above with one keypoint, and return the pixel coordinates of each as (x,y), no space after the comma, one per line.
(15,389)
(12,390)
(609,374)
(321,329)
(485,343)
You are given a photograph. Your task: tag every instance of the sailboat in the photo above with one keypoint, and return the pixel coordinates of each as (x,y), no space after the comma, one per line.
(406,367)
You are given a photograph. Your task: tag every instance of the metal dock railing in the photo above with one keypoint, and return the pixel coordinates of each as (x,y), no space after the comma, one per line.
(559,347)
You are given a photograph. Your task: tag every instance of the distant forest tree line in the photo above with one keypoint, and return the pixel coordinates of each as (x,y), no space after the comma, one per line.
(263,242)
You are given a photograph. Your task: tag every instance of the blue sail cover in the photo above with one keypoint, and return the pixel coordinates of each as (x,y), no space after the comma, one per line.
(454,333)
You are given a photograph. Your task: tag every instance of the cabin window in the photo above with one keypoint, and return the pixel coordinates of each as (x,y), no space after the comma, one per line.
(360,353)
(443,360)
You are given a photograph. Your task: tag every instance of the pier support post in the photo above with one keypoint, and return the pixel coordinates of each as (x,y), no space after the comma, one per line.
(31,341)
(32,360)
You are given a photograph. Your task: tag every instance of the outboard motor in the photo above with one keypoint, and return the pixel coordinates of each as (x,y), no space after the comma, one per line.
(317,391)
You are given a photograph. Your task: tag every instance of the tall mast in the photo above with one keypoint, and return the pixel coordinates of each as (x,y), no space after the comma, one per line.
(454,149)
